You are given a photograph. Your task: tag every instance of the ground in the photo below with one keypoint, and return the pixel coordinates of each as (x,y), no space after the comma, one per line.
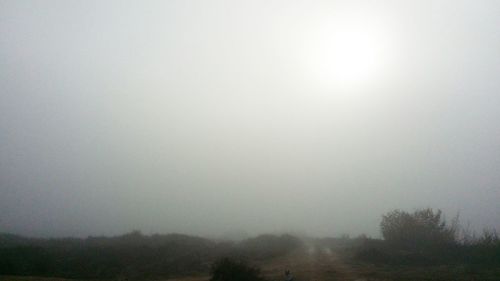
(324,264)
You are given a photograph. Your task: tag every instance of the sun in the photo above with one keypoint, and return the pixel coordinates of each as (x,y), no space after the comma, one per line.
(346,54)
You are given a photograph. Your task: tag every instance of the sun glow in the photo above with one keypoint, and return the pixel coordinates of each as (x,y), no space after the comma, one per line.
(346,54)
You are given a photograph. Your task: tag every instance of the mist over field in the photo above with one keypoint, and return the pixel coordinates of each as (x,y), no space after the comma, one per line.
(235,118)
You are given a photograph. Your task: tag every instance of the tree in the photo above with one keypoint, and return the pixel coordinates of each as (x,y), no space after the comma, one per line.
(420,230)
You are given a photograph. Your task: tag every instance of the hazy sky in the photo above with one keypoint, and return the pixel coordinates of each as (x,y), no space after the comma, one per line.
(214,117)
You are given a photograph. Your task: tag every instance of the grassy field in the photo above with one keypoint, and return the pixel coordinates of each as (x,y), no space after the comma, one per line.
(316,264)
(324,264)
(34,278)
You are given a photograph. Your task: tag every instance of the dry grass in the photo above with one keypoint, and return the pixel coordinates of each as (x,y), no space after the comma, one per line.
(190,279)
(322,264)
(31,278)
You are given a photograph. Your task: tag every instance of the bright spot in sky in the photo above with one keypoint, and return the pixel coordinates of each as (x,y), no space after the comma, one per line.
(346,54)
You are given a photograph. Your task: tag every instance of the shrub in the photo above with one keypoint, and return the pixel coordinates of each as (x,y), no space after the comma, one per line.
(269,246)
(229,270)
(421,230)
(489,238)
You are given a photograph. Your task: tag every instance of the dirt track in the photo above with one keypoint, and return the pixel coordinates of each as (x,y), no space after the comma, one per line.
(310,264)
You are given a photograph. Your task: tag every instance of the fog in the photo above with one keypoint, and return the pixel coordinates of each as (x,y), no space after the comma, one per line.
(221,118)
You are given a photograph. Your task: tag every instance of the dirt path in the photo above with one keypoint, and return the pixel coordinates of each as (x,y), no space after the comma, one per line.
(310,264)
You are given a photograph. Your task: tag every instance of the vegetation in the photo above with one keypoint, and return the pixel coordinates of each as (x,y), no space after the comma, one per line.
(227,269)
(419,245)
(133,255)
(425,238)
(269,246)
(422,229)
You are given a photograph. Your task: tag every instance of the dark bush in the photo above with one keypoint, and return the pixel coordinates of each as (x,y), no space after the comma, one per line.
(424,238)
(25,260)
(421,230)
(132,255)
(231,270)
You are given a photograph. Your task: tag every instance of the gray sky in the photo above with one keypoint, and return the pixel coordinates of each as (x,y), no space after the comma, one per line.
(214,117)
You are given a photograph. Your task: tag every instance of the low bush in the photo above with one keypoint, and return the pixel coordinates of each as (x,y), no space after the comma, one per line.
(231,270)
(421,230)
